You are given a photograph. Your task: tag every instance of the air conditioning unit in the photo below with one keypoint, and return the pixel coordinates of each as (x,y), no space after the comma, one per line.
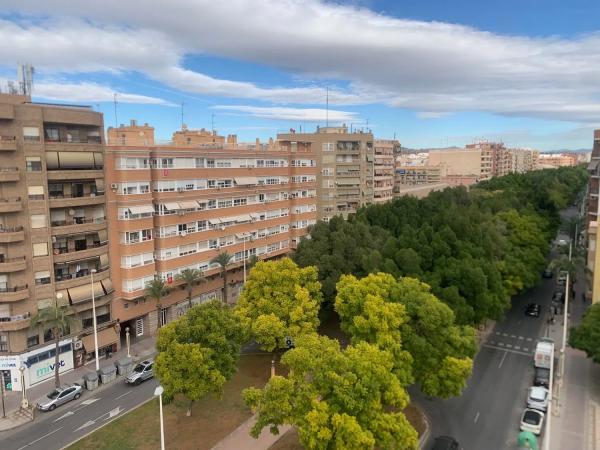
(183,233)
(114,186)
(77,345)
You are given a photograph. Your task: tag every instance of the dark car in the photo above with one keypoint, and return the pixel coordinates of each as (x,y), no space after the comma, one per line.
(445,443)
(532,310)
(541,377)
(558,297)
(547,273)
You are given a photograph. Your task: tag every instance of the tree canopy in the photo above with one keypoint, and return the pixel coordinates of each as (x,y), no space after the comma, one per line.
(337,399)
(586,336)
(279,299)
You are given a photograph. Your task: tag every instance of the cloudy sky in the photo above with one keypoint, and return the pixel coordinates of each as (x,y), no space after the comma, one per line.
(431,72)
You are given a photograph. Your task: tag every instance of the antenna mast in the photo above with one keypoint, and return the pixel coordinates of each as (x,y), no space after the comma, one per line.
(212,122)
(182,103)
(25,75)
(116,118)
(327,107)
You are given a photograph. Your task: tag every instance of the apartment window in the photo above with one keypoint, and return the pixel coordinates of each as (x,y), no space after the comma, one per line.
(42,277)
(33,163)
(163,316)
(38,221)
(52,134)
(32,341)
(240,201)
(31,134)
(3,344)
(35,192)
(201,225)
(328,146)
(40,249)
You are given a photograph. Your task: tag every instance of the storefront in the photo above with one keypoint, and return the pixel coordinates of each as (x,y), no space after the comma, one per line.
(108,339)
(9,372)
(40,363)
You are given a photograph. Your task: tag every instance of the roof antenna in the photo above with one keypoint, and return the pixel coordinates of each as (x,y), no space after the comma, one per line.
(212,122)
(327,108)
(182,114)
(115,101)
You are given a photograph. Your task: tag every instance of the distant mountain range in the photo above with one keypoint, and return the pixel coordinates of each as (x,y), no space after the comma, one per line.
(406,150)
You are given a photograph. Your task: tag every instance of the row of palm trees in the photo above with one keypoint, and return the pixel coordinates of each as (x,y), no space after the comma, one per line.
(60,319)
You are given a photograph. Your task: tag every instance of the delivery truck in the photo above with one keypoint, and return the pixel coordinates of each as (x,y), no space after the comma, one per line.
(544,352)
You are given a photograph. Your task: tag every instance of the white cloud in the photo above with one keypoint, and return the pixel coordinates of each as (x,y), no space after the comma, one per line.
(431,115)
(293,114)
(427,66)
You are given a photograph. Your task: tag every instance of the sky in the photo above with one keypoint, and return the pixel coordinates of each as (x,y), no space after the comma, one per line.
(431,73)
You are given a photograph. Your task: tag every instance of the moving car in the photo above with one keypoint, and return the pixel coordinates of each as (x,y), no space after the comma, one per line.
(537,398)
(541,377)
(532,310)
(532,420)
(445,443)
(142,372)
(60,396)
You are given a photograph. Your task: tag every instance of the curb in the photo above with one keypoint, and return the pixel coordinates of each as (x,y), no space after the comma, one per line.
(425,437)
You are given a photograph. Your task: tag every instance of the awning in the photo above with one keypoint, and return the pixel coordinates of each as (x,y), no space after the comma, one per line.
(188,204)
(51,160)
(108,286)
(68,160)
(240,218)
(214,221)
(171,206)
(245,181)
(243,236)
(103,235)
(106,337)
(104,260)
(80,294)
(141,209)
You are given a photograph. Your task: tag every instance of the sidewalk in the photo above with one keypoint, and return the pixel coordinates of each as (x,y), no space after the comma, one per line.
(240,438)
(139,350)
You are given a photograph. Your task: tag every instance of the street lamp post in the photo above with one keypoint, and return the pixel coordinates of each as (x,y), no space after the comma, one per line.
(245,238)
(24,402)
(127,340)
(92,272)
(2,393)
(159,392)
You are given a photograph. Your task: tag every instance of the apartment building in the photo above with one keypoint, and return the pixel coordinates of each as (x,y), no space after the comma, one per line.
(53,235)
(554,160)
(593,202)
(346,164)
(385,151)
(416,174)
(524,160)
(461,161)
(178,205)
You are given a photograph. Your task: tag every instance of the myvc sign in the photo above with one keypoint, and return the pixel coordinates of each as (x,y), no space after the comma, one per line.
(41,372)
(44,370)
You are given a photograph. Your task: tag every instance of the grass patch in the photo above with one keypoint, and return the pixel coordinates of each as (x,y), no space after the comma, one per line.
(212,419)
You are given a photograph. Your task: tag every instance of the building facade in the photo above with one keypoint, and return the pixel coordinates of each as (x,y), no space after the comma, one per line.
(179,205)
(593,203)
(53,235)
(385,151)
(346,166)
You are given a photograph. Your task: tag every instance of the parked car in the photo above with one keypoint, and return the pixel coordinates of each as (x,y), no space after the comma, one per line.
(537,398)
(142,372)
(532,420)
(562,278)
(561,243)
(59,396)
(445,443)
(547,273)
(541,377)
(558,297)
(532,310)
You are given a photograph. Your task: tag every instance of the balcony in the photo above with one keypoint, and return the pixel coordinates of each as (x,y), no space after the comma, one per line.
(12,264)
(8,144)
(15,323)
(14,294)
(77,225)
(13,234)
(69,280)
(75,174)
(8,205)
(63,254)
(8,174)
(67,201)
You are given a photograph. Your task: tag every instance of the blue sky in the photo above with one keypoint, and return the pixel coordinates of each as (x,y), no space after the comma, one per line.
(432,73)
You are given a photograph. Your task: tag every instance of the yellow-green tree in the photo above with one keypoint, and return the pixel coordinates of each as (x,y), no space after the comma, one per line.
(403,317)
(279,299)
(337,399)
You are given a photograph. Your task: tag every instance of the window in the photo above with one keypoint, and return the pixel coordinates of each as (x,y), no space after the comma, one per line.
(38,221)
(42,277)
(328,146)
(40,249)
(32,341)
(3,345)
(35,192)
(33,163)
(51,134)
(31,134)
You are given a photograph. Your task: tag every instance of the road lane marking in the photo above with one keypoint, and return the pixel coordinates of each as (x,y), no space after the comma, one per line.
(521,337)
(67,414)
(517,352)
(476,417)
(499,365)
(513,336)
(501,344)
(508,345)
(505,334)
(114,412)
(85,425)
(86,403)
(40,438)
(526,349)
(123,395)
(528,339)
(517,347)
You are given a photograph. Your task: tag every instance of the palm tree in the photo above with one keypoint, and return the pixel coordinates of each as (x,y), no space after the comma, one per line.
(59,319)
(157,289)
(191,278)
(251,262)
(223,259)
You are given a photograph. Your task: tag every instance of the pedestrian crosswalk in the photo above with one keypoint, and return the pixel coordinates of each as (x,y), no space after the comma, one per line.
(508,341)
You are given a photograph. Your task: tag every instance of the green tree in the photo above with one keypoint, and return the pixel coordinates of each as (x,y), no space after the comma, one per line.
(337,399)
(279,299)
(586,336)
(199,352)
(405,318)
(223,259)
(190,278)
(60,320)
(156,290)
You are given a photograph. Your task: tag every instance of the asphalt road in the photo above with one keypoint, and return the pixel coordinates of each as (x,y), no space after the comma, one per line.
(59,428)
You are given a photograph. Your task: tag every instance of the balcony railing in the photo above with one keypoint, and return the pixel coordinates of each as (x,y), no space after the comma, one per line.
(72,276)
(8,143)
(77,221)
(13,289)
(62,250)
(10,229)
(9,174)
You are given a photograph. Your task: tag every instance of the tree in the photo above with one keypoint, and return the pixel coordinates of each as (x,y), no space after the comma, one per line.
(223,259)
(279,299)
(157,289)
(586,336)
(337,399)
(190,278)
(59,319)
(403,317)
(199,352)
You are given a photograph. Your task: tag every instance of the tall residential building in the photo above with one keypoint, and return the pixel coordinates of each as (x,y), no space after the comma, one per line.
(178,205)
(552,160)
(383,189)
(346,164)
(593,203)
(524,160)
(53,235)
(460,161)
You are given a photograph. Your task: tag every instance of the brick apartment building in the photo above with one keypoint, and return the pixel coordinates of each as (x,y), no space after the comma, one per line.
(593,201)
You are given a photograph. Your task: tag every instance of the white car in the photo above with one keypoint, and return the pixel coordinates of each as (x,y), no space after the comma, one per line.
(538,398)
(532,420)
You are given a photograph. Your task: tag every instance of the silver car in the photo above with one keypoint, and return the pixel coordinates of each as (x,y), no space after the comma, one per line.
(60,396)
(538,398)
(142,372)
